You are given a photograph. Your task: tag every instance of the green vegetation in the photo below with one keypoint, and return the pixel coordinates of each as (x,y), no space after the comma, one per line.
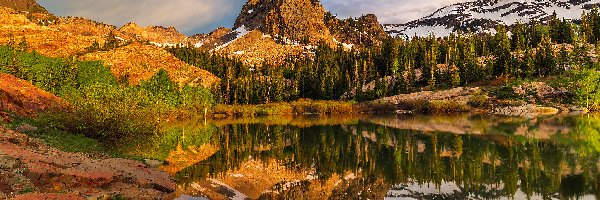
(586,87)
(302,106)
(397,65)
(101,108)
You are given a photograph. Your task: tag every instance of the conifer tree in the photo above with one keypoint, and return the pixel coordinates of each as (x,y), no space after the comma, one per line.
(502,52)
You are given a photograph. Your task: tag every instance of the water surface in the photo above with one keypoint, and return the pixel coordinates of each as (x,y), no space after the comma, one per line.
(377,157)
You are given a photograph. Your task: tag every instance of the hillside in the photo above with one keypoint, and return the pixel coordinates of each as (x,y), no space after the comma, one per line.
(140,62)
(83,27)
(157,35)
(16,27)
(22,98)
(484,15)
(72,36)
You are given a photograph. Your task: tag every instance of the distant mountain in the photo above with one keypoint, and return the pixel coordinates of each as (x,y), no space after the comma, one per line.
(485,15)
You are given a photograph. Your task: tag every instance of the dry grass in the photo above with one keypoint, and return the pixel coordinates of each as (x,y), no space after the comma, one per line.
(287,108)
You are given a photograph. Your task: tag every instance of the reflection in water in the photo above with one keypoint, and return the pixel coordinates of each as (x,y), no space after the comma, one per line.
(394,156)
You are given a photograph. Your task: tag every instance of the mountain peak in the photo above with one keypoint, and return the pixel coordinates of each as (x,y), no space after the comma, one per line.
(300,20)
(483,15)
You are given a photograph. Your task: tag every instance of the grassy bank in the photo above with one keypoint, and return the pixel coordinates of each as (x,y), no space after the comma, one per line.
(302,106)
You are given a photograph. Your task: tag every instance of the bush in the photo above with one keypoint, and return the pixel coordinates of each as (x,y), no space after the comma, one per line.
(94,72)
(109,113)
(479,100)
(585,85)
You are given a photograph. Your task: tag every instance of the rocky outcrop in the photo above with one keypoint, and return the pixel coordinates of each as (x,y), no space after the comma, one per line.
(297,20)
(27,165)
(364,31)
(84,27)
(157,35)
(255,48)
(211,40)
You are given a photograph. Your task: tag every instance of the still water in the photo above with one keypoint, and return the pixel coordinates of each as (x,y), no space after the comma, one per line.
(383,157)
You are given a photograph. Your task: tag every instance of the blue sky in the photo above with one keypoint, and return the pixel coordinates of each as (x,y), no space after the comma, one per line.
(202,16)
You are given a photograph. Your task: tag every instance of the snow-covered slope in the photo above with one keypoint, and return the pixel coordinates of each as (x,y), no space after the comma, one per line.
(484,15)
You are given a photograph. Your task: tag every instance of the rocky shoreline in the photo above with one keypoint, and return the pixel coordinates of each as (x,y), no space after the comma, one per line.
(31,170)
(542,100)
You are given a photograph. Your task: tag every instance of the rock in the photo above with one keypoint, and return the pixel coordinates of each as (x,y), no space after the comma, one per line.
(48,196)
(23,128)
(574,110)
(153,163)
(528,110)
(7,163)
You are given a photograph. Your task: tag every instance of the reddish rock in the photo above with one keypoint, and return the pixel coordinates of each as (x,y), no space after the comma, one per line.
(48,196)
(49,170)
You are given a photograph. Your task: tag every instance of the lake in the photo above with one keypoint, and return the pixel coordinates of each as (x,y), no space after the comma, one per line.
(382,157)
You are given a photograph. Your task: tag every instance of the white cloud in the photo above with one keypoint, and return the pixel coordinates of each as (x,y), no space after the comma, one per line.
(185,15)
(388,11)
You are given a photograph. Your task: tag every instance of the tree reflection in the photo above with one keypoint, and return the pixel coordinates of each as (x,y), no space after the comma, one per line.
(485,166)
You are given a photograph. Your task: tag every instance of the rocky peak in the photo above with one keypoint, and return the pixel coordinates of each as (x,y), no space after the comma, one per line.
(30,6)
(157,35)
(299,20)
(364,30)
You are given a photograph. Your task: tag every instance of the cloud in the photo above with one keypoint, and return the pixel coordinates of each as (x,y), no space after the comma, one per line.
(202,16)
(388,11)
(188,16)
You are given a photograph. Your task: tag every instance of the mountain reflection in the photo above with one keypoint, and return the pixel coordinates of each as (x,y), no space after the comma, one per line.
(395,156)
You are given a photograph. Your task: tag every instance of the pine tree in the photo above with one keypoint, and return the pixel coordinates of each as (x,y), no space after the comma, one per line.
(518,40)
(502,53)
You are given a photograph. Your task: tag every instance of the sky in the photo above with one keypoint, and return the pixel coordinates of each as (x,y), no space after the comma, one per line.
(202,16)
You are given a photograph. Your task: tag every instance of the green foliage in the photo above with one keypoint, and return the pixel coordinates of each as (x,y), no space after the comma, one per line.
(162,88)
(479,100)
(586,88)
(109,113)
(101,108)
(94,72)
(424,62)
(54,75)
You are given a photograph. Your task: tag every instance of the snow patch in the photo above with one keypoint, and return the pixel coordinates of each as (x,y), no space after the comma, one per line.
(240,32)
(164,44)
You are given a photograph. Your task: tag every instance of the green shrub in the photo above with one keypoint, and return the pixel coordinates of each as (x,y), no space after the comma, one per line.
(94,72)
(109,113)
(479,100)
(585,85)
